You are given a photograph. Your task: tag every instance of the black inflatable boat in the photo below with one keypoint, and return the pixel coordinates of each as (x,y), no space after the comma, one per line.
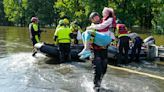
(52,50)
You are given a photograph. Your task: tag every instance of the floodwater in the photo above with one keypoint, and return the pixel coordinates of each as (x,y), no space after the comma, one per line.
(20,72)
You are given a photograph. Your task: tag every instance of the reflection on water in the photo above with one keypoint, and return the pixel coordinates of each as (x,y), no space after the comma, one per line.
(20,72)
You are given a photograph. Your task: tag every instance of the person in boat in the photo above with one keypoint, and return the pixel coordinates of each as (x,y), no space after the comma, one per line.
(62,37)
(100,51)
(123,43)
(136,48)
(76,31)
(34,32)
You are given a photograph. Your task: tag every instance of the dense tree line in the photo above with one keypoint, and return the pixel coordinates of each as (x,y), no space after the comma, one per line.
(3,19)
(144,13)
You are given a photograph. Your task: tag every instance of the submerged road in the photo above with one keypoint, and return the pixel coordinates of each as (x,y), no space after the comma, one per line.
(20,72)
(23,73)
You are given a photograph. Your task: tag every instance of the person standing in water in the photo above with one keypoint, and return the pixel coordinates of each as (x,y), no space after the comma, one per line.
(34,32)
(123,44)
(136,48)
(100,52)
(63,37)
(102,38)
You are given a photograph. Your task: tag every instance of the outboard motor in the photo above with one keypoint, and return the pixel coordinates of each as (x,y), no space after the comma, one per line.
(149,40)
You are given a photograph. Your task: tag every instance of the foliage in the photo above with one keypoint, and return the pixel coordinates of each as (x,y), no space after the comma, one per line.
(158,20)
(15,10)
(79,9)
(43,9)
(2,14)
(144,13)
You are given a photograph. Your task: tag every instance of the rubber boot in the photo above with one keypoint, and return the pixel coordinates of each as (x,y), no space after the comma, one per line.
(34,51)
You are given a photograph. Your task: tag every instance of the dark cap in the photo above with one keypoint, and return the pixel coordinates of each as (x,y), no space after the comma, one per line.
(93,14)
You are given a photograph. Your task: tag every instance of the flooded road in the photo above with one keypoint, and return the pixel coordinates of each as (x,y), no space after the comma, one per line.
(20,72)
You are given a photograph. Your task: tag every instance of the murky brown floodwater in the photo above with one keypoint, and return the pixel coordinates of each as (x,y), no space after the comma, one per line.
(20,72)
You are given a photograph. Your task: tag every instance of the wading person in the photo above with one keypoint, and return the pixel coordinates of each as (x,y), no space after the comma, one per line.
(102,38)
(62,37)
(34,32)
(100,52)
(123,43)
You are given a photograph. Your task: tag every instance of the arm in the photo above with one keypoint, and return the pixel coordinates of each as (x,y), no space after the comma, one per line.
(55,38)
(70,34)
(56,35)
(102,25)
(37,38)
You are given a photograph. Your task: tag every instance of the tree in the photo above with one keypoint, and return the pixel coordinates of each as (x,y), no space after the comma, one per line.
(146,13)
(2,14)
(15,10)
(79,9)
(158,12)
(43,9)
(72,8)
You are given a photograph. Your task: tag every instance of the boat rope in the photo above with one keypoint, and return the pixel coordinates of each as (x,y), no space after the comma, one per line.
(137,72)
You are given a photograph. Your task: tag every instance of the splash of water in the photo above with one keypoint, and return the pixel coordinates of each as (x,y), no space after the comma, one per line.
(87,84)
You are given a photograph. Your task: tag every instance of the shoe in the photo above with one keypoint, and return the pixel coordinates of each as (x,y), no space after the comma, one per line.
(84,52)
(96,89)
(34,51)
(84,56)
(33,54)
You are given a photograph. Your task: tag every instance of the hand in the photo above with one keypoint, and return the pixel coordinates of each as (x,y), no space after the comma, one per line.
(88,28)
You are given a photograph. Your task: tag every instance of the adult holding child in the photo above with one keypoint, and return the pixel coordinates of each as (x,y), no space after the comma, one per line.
(100,30)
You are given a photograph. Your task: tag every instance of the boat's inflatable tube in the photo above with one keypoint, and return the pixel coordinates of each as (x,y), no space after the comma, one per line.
(112,52)
(51,50)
